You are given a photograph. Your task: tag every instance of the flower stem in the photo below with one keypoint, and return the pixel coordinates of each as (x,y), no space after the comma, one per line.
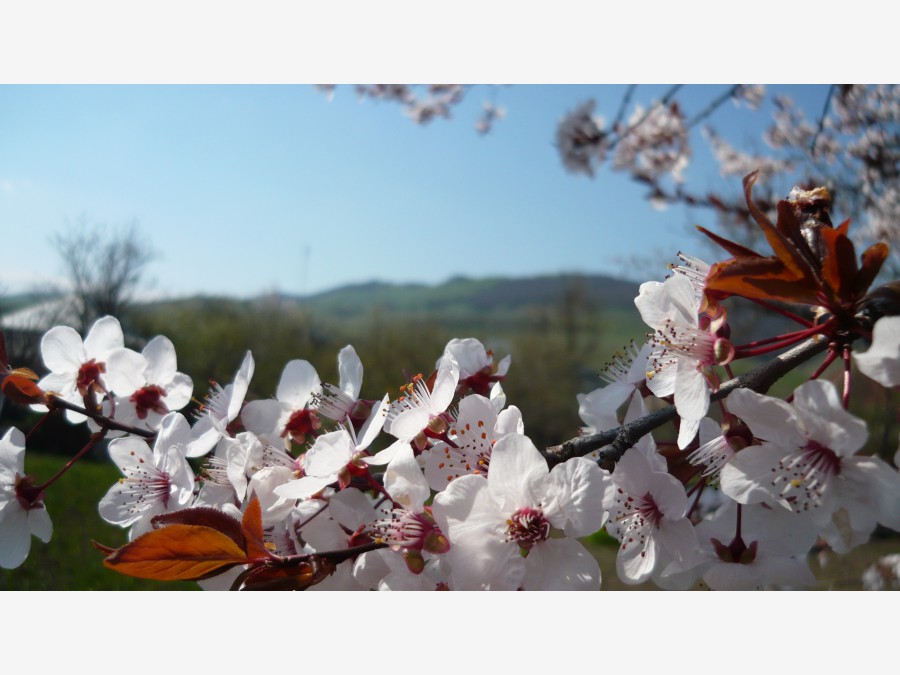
(783,312)
(95,438)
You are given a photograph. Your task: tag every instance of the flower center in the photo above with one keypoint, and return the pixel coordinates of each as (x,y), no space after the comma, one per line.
(149,398)
(527,527)
(635,518)
(806,475)
(301,424)
(89,377)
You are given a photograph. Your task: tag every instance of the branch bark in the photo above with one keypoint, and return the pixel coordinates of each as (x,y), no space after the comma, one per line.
(616,441)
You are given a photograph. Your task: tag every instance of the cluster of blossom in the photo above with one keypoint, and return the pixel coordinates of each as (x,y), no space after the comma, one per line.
(425,103)
(295,495)
(854,143)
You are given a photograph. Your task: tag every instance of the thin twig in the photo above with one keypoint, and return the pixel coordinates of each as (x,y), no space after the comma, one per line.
(712,106)
(815,140)
(626,99)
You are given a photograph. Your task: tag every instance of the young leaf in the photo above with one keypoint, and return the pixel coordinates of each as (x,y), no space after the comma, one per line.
(252,531)
(177,553)
(205,516)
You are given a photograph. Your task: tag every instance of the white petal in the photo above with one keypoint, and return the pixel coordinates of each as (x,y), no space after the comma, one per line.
(444,385)
(374,424)
(409,423)
(578,487)
(241,385)
(561,565)
(350,371)
(404,481)
(12,456)
(747,478)
(299,381)
(62,350)
(303,487)
(691,390)
(125,371)
(103,337)
(178,391)
(40,525)
(634,564)
(265,418)
(15,537)
(882,361)
(770,419)
(509,421)
(329,454)
(518,473)
(819,407)
(161,360)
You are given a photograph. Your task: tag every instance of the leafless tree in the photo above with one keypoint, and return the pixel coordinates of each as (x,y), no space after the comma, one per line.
(104,265)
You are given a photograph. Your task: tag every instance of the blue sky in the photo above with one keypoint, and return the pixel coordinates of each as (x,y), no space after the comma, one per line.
(249,189)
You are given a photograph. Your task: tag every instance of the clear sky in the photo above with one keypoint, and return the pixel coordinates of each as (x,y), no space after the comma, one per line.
(249,189)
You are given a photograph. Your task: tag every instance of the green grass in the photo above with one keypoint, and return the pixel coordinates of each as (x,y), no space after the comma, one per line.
(69,561)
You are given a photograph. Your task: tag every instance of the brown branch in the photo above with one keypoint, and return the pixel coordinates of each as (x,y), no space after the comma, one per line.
(815,140)
(106,423)
(621,438)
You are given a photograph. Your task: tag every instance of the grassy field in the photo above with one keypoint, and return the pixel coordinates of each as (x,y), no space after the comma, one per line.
(69,562)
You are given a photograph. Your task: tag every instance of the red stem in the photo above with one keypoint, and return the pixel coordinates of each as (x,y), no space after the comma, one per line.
(782,311)
(39,424)
(846,398)
(829,359)
(81,453)
(741,353)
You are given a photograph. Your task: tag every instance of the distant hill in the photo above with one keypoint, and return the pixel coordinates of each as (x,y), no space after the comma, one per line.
(464,295)
(459,295)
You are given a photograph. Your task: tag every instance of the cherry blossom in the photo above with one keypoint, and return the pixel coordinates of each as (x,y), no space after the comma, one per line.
(292,415)
(334,456)
(500,526)
(22,511)
(807,463)
(470,440)
(78,369)
(148,385)
(155,481)
(683,353)
(647,513)
(477,370)
(221,408)
(423,410)
(769,549)
(625,374)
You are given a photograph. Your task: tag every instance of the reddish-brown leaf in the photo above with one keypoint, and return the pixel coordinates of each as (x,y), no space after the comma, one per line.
(21,389)
(205,516)
(252,531)
(735,249)
(839,264)
(872,260)
(177,553)
(763,278)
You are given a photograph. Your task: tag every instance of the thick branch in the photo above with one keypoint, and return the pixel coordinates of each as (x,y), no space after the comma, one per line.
(621,438)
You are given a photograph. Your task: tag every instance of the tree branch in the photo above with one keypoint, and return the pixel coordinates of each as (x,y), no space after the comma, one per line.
(621,438)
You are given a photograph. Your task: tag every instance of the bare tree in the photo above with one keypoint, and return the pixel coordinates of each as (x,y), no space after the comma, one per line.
(104,265)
